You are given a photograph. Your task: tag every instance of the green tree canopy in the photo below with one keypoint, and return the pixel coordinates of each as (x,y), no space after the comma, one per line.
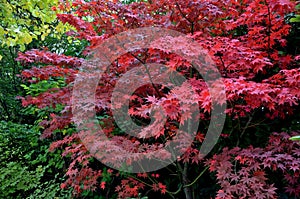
(25,20)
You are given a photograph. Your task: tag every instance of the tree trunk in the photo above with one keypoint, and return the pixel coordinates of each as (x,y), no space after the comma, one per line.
(187,190)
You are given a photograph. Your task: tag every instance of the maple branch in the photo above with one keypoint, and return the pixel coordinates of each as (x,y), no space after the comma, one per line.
(192,28)
(148,73)
(177,191)
(238,141)
(109,188)
(197,177)
(269,29)
(186,189)
(244,129)
(219,54)
(182,14)
(223,64)
(145,183)
(257,124)
(232,109)
(155,182)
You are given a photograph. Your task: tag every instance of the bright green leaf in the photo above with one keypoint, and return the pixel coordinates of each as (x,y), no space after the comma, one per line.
(295,19)
(295,138)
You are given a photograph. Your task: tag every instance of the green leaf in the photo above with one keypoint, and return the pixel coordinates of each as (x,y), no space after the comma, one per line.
(295,19)
(295,138)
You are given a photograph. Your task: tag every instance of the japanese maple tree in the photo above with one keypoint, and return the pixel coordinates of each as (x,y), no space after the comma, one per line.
(245,39)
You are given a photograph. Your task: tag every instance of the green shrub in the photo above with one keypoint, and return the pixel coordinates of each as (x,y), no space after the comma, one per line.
(28,169)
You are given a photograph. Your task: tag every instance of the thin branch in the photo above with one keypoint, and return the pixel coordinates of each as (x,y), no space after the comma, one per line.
(244,129)
(148,73)
(182,14)
(192,183)
(269,29)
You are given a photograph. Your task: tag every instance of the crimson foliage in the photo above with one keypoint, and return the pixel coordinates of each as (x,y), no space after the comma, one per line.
(246,39)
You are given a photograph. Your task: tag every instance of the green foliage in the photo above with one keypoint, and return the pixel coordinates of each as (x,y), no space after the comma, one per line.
(9,84)
(42,86)
(50,189)
(65,45)
(29,170)
(25,20)
(48,32)
(15,178)
(295,138)
(24,24)
(296,19)
(15,142)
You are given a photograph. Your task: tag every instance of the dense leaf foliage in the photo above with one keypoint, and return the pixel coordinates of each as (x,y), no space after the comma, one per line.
(26,164)
(24,25)
(244,38)
(24,21)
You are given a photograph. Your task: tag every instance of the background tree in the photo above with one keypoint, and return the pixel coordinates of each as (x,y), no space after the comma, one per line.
(28,169)
(24,25)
